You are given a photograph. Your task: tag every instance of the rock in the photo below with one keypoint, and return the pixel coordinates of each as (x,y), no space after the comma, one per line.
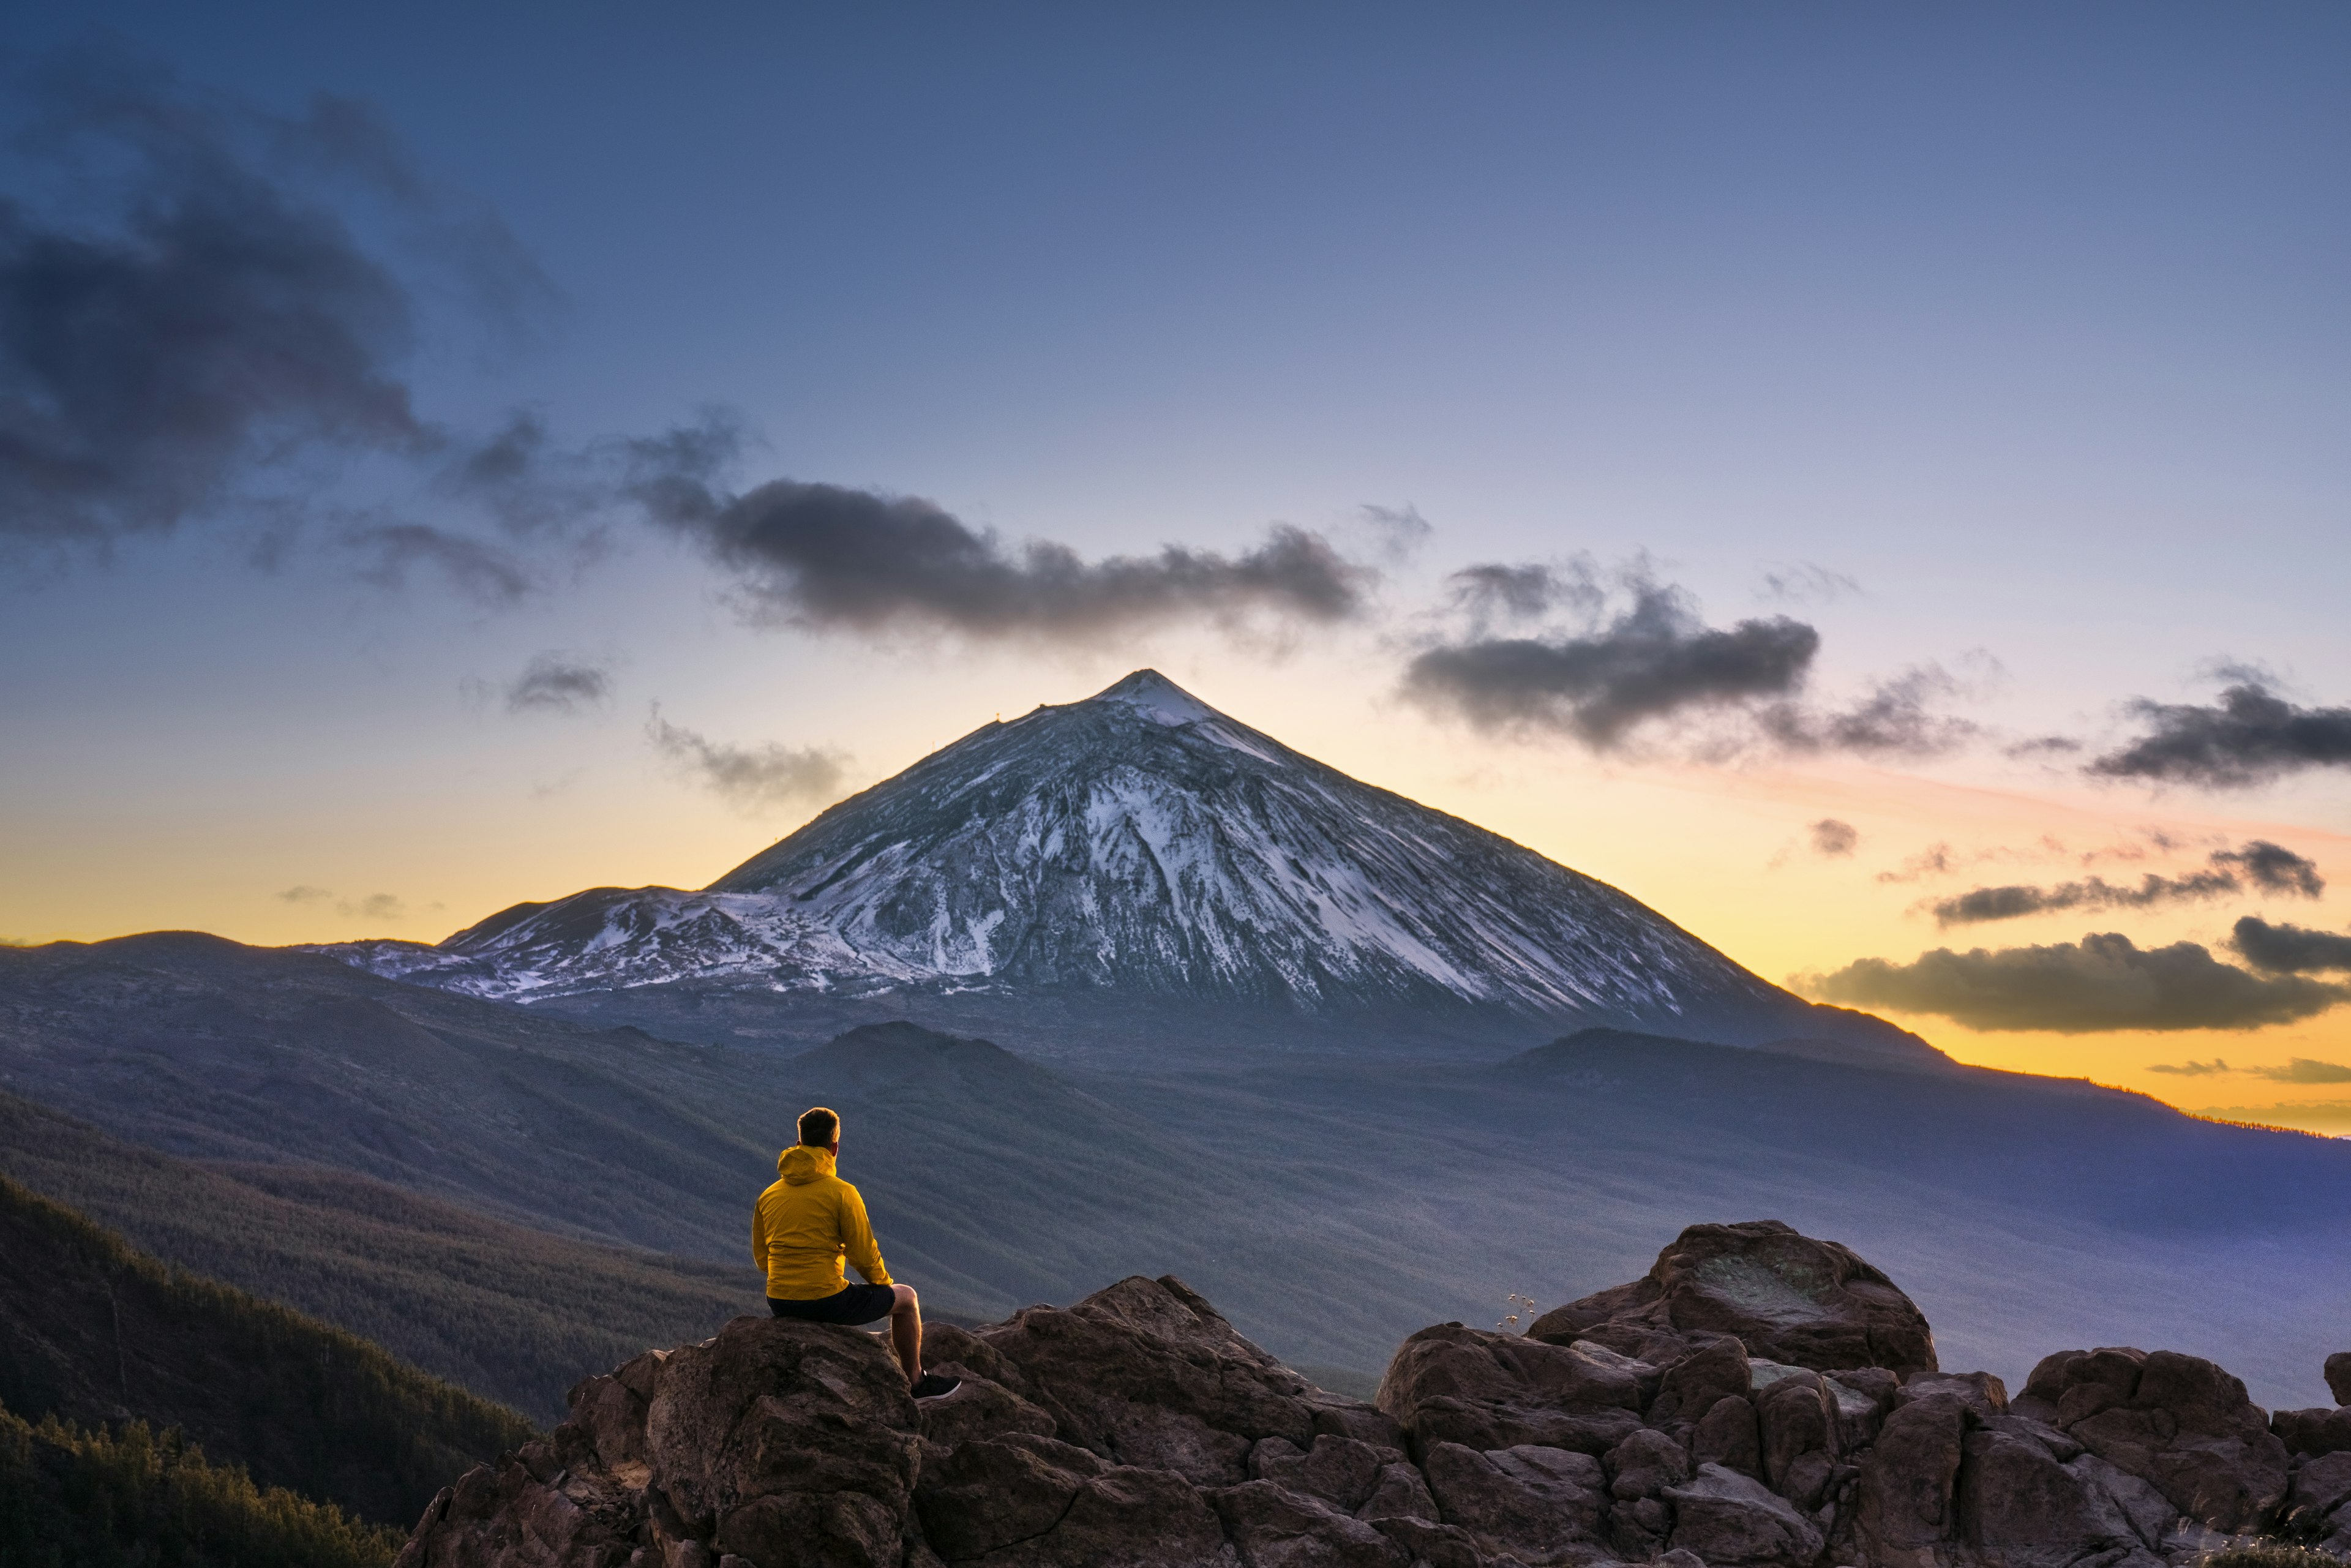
(1727,1435)
(1399,1493)
(1437,1544)
(1506,1369)
(1687,1389)
(1455,1384)
(1341,1471)
(2338,1376)
(2018,1507)
(1980,1392)
(1731,1521)
(811,1422)
(1040,1503)
(2320,1486)
(979,1409)
(1645,1464)
(992,1493)
(1863,1394)
(1540,1505)
(1908,1481)
(1798,1422)
(1272,1527)
(1787,1297)
(2177,1421)
(1147,1374)
(2314,1432)
(2152,1518)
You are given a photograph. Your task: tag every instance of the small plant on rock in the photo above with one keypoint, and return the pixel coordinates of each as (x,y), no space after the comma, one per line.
(1518,1305)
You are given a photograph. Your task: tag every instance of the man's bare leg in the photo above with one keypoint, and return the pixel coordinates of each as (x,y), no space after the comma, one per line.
(906,1332)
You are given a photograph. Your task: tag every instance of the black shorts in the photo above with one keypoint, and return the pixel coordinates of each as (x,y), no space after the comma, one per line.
(849,1304)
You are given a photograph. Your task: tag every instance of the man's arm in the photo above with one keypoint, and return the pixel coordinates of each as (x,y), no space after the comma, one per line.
(857,1238)
(760,1236)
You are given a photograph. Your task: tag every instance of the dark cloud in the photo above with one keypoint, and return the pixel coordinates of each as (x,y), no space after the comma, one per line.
(2273,868)
(374,906)
(187,311)
(1492,592)
(2192,1068)
(752,778)
(2044,746)
(306,893)
(1806,583)
(2103,982)
(482,571)
(1934,860)
(552,682)
(2302,1070)
(829,557)
(2268,867)
(1654,659)
(1398,532)
(2252,735)
(2286,949)
(1830,837)
(1897,717)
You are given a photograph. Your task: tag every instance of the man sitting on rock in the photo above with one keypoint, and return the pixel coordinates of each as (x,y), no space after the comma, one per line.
(801,1229)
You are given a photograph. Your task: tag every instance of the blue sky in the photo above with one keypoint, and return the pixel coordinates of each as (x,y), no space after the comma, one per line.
(2018,334)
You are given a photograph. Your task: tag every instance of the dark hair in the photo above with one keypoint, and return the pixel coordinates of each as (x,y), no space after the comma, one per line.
(819,1127)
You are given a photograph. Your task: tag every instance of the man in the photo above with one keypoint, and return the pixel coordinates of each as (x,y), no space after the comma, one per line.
(801,1229)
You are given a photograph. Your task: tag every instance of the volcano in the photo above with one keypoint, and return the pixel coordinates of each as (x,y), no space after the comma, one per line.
(1135,866)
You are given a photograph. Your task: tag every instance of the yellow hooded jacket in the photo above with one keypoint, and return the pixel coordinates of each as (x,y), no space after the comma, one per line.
(805,1224)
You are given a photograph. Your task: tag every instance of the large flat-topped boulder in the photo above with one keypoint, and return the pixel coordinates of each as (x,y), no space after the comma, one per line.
(1785,1296)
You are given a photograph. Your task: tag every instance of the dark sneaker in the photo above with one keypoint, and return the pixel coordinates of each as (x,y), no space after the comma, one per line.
(932,1385)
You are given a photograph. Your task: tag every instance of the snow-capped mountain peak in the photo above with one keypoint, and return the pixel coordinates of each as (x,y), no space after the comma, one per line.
(1152,695)
(1138,845)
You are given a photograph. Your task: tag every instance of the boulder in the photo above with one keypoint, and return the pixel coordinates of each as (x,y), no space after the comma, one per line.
(1731,1520)
(2177,1421)
(1463,1386)
(1272,1527)
(775,1442)
(1540,1505)
(2018,1506)
(1727,1435)
(1798,1421)
(2338,1376)
(2313,1432)
(1341,1471)
(2320,1486)
(1687,1389)
(1645,1465)
(1030,1502)
(1909,1480)
(1786,1296)
(1400,1492)
(1148,1374)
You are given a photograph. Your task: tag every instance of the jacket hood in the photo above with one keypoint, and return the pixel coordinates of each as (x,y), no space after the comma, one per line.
(802,1164)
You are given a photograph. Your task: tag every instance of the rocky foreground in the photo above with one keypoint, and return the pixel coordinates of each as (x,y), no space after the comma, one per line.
(1759,1399)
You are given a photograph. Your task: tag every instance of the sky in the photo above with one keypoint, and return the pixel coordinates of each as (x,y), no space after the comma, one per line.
(1870,482)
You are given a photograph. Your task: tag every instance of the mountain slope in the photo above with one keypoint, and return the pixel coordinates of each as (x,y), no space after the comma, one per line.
(94,1332)
(514,1313)
(1129,853)
(1333,1203)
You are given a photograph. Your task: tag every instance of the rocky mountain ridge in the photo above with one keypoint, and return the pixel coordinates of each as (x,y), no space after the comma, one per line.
(1136,850)
(1759,1399)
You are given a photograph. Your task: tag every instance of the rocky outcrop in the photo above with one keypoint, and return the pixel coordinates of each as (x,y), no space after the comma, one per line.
(1783,1295)
(1710,1414)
